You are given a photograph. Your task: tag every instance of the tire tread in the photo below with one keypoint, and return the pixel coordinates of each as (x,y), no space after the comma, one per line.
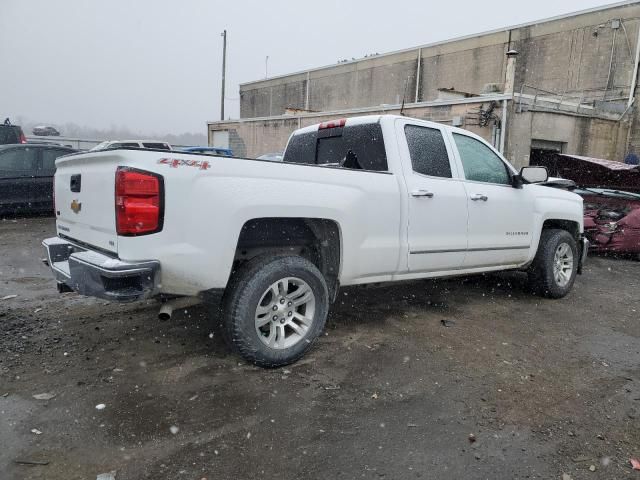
(541,270)
(238,294)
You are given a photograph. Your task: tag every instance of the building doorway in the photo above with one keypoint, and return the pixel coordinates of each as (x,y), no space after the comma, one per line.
(541,149)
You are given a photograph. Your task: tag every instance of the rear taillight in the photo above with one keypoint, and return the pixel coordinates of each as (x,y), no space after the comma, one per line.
(139,202)
(23,139)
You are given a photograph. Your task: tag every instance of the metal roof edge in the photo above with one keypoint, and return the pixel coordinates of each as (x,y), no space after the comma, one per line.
(379,108)
(454,39)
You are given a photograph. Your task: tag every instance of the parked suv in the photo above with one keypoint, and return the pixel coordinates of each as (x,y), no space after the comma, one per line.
(11,133)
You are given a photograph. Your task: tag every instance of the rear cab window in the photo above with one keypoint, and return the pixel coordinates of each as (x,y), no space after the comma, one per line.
(359,147)
(156,146)
(125,145)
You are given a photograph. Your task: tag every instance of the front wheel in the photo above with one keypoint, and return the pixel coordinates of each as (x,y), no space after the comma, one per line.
(275,307)
(555,265)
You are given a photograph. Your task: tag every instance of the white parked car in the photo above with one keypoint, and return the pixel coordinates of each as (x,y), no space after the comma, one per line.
(355,201)
(153,144)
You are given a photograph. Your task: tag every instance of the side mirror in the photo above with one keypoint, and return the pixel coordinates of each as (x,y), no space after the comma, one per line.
(534,174)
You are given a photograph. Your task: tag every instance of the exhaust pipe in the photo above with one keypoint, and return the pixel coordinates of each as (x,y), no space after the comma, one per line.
(166,311)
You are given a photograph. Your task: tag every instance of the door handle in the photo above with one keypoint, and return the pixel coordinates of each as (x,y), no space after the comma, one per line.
(422,194)
(479,196)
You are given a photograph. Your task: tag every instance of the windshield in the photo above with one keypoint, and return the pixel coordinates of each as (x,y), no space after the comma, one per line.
(294,240)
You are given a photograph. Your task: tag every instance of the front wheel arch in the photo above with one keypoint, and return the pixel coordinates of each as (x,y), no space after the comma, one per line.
(542,272)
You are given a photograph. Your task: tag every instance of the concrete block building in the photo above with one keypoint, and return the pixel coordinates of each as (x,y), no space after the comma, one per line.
(566,84)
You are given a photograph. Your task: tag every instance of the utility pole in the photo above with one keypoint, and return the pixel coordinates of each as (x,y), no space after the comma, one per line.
(224,67)
(266,67)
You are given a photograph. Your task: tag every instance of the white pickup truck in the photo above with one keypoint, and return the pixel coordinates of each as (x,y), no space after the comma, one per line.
(360,200)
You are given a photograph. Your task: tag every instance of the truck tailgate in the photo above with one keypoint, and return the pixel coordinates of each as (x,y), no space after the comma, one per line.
(84,199)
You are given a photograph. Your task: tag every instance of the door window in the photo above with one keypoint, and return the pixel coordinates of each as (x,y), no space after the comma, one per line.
(17,162)
(427,151)
(480,163)
(49,156)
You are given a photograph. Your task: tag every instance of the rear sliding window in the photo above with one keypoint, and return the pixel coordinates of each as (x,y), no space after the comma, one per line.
(355,147)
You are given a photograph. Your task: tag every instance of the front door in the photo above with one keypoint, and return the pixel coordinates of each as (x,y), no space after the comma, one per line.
(500,216)
(437,231)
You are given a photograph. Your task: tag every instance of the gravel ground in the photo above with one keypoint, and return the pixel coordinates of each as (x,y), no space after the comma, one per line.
(465,378)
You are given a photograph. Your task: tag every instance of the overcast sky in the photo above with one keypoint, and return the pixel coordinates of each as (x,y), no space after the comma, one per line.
(154,65)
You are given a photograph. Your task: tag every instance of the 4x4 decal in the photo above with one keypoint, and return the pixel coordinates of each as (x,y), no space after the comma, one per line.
(179,162)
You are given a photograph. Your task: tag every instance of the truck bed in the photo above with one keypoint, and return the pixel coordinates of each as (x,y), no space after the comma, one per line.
(207,200)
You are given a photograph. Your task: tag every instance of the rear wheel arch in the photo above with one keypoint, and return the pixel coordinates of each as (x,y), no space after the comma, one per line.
(267,318)
(318,240)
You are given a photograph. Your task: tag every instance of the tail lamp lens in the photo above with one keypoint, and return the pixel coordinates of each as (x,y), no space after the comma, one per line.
(139,202)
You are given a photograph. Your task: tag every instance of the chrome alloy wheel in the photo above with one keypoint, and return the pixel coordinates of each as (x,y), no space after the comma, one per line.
(563,265)
(285,313)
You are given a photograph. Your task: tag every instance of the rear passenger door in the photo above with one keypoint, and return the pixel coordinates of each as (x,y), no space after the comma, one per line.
(437,230)
(44,176)
(17,174)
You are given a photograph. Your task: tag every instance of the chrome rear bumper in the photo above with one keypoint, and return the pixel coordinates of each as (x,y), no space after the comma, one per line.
(95,274)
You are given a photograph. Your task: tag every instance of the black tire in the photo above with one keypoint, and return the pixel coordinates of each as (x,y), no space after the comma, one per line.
(243,295)
(542,278)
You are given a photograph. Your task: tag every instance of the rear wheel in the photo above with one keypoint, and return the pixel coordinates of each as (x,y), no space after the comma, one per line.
(555,265)
(275,307)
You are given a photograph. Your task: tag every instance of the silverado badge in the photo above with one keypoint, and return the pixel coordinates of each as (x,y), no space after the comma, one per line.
(76,206)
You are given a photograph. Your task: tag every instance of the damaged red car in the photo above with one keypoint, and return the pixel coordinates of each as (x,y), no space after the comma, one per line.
(591,172)
(611,193)
(612,220)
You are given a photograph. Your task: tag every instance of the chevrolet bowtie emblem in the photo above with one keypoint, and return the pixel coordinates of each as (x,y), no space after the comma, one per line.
(76,206)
